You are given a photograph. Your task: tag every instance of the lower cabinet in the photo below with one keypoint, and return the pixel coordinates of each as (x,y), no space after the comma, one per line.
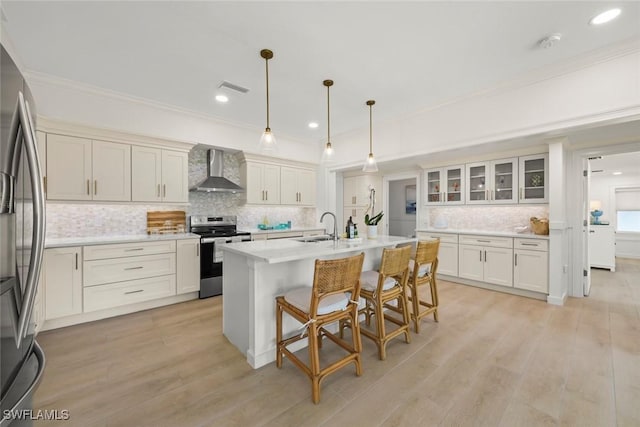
(447,252)
(531,265)
(486,259)
(128,292)
(63,282)
(188,266)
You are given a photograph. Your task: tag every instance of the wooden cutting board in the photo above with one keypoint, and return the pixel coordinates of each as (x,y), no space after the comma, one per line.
(166,222)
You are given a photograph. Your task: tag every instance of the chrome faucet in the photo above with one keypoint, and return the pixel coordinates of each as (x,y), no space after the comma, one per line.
(335,225)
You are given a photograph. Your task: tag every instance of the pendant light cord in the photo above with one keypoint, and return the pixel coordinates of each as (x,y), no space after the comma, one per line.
(370,130)
(328,118)
(266,62)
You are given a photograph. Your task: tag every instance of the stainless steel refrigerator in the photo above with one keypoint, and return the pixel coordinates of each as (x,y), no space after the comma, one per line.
(22,230)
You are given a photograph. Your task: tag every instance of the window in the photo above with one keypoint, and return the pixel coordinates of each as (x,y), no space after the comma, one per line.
(628,209)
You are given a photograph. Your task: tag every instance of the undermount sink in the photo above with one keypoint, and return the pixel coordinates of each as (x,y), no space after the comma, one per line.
(314,239)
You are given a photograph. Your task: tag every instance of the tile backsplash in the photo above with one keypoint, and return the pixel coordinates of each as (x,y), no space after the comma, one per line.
(486,218)
(84,220)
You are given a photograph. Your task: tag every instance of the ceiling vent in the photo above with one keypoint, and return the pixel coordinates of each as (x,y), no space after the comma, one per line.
(550,40)
(233,87)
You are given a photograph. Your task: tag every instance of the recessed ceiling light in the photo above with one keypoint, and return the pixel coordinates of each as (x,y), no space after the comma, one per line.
(605,17)
(313,125)
(222,98)
(616,173)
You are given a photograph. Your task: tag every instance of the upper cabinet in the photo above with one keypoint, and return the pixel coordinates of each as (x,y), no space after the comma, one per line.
(159,175)
(356,189)
(297,186)
(534,176)
(262,183)
(444,186)
(492,182)
(82,169)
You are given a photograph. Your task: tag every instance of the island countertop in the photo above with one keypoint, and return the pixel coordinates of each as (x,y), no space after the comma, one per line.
(285,250)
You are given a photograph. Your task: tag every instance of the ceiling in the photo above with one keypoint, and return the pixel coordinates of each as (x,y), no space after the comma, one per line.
(405,55)
(627,163)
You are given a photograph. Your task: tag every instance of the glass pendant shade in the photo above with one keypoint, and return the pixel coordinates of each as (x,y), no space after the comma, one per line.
(370,165)
(328,155)
(268,141)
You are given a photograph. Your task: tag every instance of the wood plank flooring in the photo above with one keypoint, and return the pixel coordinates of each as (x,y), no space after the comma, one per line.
(493,359)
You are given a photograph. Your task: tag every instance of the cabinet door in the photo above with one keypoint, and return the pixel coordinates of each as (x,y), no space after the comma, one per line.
(271,184)
(448,259)
(306,187)
(188,265)
(349,185)
(111,171)
(357,216)
(68,168)
(63,275)
(175,176)
(477,183)
(289,194)
(433,184)
(146,174)
(530,271)
(254,188)
(504,181)
(471,264)
(534,176)
(498,266)
(453,181)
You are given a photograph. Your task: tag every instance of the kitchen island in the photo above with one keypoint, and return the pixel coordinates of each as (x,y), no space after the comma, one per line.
(256,272)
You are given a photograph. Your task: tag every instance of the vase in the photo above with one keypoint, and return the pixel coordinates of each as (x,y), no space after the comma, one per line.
(372,231)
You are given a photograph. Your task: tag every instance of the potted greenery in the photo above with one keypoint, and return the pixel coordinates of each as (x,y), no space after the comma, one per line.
(372,224)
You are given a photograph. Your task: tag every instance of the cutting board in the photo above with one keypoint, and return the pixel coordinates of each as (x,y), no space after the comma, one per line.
(166,222)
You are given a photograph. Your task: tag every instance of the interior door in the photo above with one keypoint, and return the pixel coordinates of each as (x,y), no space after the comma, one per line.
(586,227)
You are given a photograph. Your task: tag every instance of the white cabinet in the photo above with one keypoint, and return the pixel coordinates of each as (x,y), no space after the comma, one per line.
(492,182)
(531,265)
(447,252)
(159,175)
(261,182)
(602,246)
(187,265)
(297,186)
(356,190)
(81,169)
(534,176)
(357,216)
(486,259)
(444,186)
(63,282)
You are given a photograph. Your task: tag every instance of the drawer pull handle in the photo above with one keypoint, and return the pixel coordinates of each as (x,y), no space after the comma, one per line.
(88,187)
(164,190)
(134,249)
(95,187)
(529,244)
(516,260)
(134,268)
(485,256)
(483,241)
(480,256)
(134,292)
(158,190)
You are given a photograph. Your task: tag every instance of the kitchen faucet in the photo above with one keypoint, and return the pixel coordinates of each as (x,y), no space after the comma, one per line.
(335,225)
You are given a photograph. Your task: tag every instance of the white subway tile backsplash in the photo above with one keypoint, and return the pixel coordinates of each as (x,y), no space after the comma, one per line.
(485,218)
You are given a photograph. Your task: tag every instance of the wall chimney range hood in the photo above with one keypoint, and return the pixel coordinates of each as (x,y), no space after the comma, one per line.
(215,182)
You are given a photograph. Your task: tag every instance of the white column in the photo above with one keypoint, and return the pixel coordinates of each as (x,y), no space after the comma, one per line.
(558,229)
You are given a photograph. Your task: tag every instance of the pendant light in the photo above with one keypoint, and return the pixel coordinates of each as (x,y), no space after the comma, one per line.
(370,164)
(328,155)
(268,140)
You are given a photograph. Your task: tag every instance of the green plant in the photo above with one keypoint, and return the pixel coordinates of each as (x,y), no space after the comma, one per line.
(374,220)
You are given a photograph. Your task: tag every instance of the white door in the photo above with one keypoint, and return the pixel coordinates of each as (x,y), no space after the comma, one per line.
(255,187)
(289,186)
(111,164)
(586,227)
(307,187)
(471,262)
(530,270)
(188,265)
(68,168)
(175,175)
(498,266)
(63,275)
(146,174)
(448,259)
(271,182)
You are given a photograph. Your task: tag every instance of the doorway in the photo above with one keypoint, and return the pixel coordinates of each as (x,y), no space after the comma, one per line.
(402,205)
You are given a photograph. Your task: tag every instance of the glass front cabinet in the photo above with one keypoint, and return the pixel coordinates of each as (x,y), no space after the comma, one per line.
(444,186)
(492,182)
(534,176)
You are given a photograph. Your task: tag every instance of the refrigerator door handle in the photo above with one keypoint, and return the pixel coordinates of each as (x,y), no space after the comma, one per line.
(22,125)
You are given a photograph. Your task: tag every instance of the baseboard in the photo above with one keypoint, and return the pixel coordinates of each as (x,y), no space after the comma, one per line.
(557,300)
(498,288)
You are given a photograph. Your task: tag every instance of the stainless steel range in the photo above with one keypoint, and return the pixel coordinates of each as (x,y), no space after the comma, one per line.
(214,232)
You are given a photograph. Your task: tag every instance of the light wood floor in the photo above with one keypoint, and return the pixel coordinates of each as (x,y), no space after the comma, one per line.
(494,359)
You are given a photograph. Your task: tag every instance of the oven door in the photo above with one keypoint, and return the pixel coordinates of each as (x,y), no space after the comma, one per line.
(210,268)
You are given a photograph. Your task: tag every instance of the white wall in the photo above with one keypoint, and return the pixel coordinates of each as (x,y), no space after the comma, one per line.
(400,223)
(603,188)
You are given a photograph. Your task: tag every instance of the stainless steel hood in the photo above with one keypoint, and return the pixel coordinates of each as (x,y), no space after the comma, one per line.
(215,182)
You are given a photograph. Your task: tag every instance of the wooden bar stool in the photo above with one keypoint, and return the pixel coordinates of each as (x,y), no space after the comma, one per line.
(422,270)
(379,289)
(332,298)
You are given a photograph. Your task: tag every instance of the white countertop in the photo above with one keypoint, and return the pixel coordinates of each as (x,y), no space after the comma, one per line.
(281,230)
(103,240)
(284,250)
(527,235)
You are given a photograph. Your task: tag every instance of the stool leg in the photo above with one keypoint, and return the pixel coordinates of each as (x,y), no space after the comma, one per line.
(314,361)
(278,335)
(434,297)
(357,343)
(380,329)
(415,305)
(405,314)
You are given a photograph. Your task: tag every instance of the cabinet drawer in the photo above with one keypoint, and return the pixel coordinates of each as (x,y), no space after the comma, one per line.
(496,242)
(444,237)
(129,292)
(102,271)
(284,235)
(122,250)
(531,244)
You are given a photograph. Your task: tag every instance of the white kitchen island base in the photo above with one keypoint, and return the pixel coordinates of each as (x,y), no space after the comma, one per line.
(256,272)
